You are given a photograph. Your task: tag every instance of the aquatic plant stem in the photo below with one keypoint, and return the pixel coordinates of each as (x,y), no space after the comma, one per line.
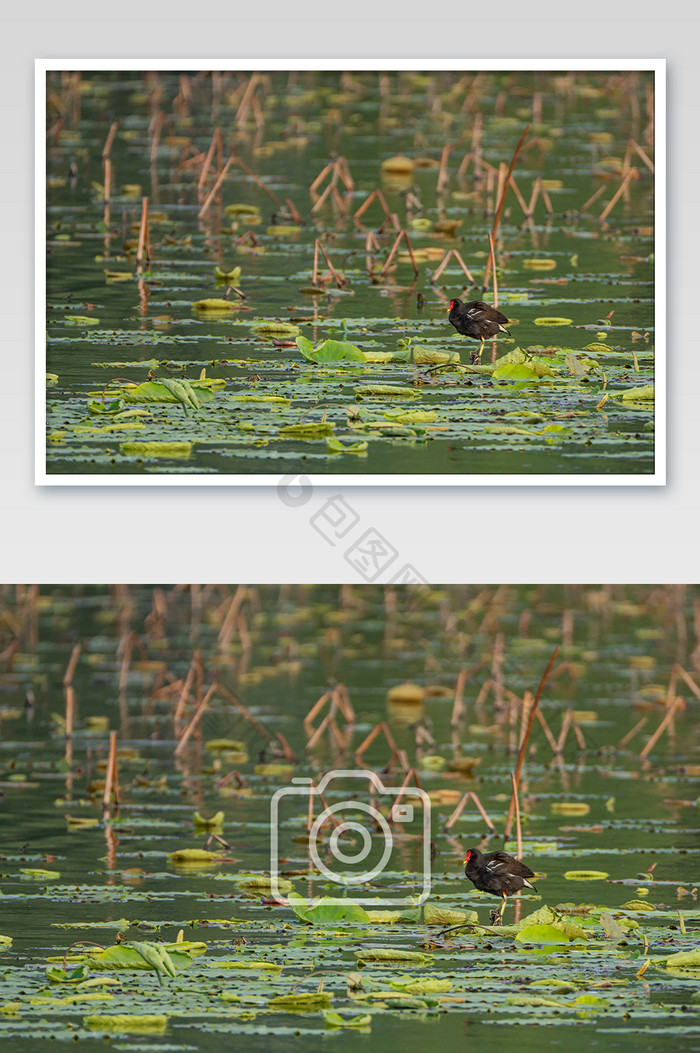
(523,745)
(497,218)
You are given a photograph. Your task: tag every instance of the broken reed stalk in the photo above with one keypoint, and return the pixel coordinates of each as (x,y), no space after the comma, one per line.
(155,136)
(207,162)
(402,234)
(144,248)
(313,739)
(445,260)
(214,190)
(340,281)
(469,795)
(493,267)
(245,713)
(592,198)
(632,732)
(518,830)
(378,729)
(286,748)
(229,623)
(378,196)
(676,704)
(70,710)
(107,180)
(184,695)
(126,660)
(443,178)
(687,678)
(313,789)
(315,710)
(497,217)
(70,668)
(459,709)
(198,714)
(547,731)
(111,789)
(617,195)
(107,148)
(523,745)
(410,773)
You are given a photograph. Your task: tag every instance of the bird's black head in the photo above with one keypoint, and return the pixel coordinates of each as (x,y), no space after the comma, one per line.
(455,303)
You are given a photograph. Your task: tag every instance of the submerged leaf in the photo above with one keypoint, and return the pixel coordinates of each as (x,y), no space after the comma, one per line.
(127,1022)
(336,1020)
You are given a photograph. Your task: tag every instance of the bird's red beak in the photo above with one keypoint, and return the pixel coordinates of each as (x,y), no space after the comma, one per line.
(467,859)
(452,303)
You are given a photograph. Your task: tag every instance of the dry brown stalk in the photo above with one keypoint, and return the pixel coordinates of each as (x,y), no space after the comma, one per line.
(497,218)
(70,710)
(547,731)
(459,708)
(144,248)
(342,700)
(208,159)
(245,713)
(214,190)
(184,695)
(676,704)
(72,662)
(687,678)
(564,731)
(315,709)
(519,197)
(518,831)
(445,260)
(319,731)
(229,623)
(632,732)
(107,148)
(111,789)
(469,795)
(107,180)
(378,196)
(592,198)
(523,745)
(410,774)
(493,268)
(340,281)
(286,748)
(198,714)
(618,194)
(443,178)
(402,234)
(381,728)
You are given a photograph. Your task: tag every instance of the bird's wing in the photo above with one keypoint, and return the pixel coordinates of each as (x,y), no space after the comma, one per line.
(477,309)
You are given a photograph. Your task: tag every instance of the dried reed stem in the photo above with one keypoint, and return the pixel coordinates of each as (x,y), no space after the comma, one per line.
(523,745)
(199,713)
(70,668)
(676,704)
(617,195)
(518,831)
(497,217)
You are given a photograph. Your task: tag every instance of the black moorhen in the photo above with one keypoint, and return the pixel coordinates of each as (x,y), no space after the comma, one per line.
(477,320)
(497,873)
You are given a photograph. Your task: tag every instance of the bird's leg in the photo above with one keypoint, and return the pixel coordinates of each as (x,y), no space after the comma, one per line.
(503,905)
(496,918)
(476,355)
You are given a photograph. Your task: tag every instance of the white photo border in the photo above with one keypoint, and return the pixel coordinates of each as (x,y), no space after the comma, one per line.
(656,65)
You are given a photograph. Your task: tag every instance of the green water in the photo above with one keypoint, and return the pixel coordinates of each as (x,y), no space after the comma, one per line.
(635,819)
(598,276)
